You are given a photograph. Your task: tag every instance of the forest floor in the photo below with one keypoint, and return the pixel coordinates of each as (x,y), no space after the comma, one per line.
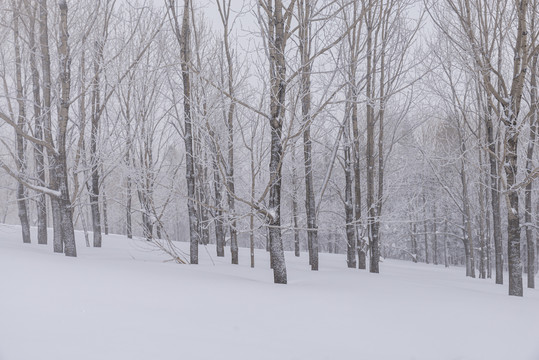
(124,302)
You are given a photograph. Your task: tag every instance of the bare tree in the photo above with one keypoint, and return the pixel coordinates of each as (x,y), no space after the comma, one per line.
(183,37)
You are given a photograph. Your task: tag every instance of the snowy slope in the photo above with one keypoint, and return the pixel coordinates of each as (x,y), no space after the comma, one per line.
(124,302)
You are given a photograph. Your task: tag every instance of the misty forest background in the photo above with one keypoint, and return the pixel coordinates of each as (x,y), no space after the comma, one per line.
(370,128)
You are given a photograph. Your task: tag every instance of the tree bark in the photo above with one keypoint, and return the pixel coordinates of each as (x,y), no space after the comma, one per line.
(371,205)
(66,211)
(94,157)
(435,236)
(495,197)
(305,13)
(58,243)
(425,229)
(188,135)
(217,189)
(530,245)
(21,124)
(41,200)
(295,215)
(467,217)
(276,42)
(348,201)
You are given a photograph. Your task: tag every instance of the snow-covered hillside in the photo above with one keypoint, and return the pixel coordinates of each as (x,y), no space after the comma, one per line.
(124,302)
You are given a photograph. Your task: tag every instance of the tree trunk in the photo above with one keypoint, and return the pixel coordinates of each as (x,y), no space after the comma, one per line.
(188,135)
(513,220)
(495,198)
(217,188)
(488,242)
(66,219)
(467,217)
(371,205)
(305,13)
(425,228)
(105,210)
(47,126)
(435,236)
(530,269)
(413,244)
(94,158)
(21,124)
(348,201)
(446,261)
(295,204)
(481,219)
(276,44)
(41,200)
(360,243)
(129,183)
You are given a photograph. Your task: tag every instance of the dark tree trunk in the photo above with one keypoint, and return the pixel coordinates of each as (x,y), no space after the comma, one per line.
(305,13)
(513,220)
(495,199)
(58,243)
(188,135)
(276,43)
(371,205)
(66,211)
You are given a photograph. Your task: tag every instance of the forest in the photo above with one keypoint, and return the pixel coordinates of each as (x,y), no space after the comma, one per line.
(373,129)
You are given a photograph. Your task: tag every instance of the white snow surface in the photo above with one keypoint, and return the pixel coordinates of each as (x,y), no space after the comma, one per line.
(124,302)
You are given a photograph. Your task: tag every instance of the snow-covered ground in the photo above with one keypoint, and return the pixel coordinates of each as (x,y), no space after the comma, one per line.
(123,302)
